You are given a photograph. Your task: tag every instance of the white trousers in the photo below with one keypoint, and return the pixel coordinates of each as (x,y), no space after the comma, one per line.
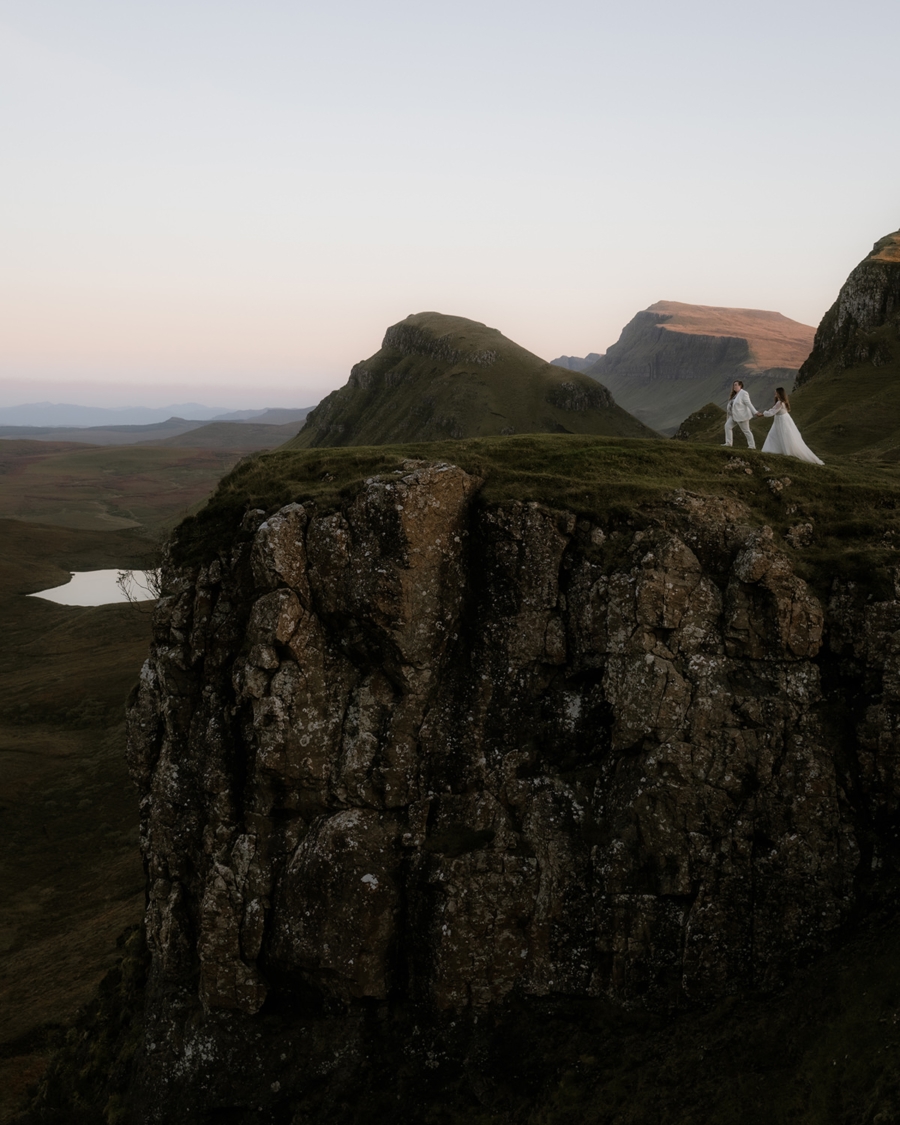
(745,428)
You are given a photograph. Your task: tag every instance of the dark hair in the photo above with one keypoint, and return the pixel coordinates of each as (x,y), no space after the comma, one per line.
(740,383)
(779,391)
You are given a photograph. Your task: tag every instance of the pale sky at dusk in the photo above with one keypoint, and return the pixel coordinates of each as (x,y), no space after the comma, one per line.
(229,202)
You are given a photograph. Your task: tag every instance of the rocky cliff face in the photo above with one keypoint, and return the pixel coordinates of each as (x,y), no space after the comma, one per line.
(407,763)
(862,327)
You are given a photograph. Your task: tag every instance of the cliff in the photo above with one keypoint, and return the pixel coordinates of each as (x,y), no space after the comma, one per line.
(673,358)
(419,758)
(862,327)
(437,377)
(845,399)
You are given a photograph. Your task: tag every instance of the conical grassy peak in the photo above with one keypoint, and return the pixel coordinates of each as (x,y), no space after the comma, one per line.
(437,377)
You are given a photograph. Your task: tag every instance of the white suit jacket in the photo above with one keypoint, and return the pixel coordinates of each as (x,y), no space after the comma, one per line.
(740,407)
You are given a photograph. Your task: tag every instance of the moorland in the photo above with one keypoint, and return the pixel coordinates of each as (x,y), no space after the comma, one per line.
(71,878)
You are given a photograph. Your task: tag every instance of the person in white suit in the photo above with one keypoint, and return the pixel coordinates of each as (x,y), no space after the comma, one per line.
(739,411)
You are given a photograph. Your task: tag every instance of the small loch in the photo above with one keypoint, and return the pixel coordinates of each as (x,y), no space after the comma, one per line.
(102,587)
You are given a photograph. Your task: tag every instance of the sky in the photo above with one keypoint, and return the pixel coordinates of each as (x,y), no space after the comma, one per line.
(230,202)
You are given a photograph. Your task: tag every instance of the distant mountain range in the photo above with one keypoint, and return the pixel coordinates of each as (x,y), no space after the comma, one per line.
(673,358)
(270,427)
(70,415)
(437,377)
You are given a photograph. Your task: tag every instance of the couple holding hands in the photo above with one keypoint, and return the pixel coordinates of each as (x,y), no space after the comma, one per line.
(783,438)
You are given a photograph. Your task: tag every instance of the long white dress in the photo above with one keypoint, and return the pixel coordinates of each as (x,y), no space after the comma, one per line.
(784,437)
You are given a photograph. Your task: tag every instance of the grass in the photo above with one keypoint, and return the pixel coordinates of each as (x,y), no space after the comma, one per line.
(853,506)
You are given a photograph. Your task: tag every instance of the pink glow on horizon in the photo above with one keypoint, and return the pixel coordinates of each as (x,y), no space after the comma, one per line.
(236,202)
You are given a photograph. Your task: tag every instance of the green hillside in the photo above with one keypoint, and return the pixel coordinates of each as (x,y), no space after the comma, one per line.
(669,401)
(705,425)
(854,409)
(437,377)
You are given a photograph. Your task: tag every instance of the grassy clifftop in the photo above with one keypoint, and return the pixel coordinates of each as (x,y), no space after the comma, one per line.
(853,509)
(437,377)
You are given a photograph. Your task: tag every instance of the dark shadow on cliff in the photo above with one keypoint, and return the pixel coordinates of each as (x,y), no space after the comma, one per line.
(824,1050)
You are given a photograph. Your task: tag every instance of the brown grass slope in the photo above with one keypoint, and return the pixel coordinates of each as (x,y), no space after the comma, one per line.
(438,377)
(240,437)
(846,400)
(773,340)
(673,358)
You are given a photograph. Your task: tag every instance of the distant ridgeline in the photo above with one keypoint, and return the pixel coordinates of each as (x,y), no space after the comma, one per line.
(673,359)
(576,363)
(437,377)
(845,399)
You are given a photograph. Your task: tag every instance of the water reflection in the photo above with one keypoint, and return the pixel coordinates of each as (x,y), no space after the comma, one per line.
(103,587)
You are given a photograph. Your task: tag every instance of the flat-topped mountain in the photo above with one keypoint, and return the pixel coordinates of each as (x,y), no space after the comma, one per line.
(673,358)
(846,400)
(437,377)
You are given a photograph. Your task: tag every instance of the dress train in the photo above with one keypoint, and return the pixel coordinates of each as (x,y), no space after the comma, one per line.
(784,438)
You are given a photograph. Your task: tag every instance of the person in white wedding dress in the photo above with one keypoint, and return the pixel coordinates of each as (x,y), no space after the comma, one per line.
(784,437)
